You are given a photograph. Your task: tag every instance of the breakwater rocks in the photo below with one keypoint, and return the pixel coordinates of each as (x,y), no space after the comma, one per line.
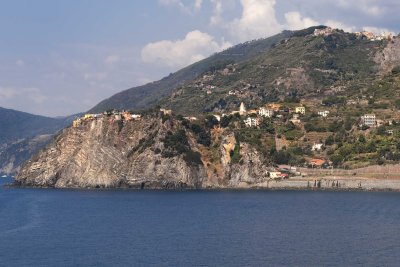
(327,183)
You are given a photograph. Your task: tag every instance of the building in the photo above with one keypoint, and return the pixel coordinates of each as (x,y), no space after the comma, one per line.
(251,122)
(136,116)
(323,32)
(166,111)
(324,113)
(232,92)
(88,116)
(368,120)
(300,110)
(275,175)
(190,118)
(317,163)
(76,123)
(242,109)
(266,112)
(317,147)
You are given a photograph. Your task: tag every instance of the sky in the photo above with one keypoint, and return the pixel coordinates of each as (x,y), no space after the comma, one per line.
(60,57)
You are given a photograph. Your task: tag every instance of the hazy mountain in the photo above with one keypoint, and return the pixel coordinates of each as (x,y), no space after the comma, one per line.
(23,134)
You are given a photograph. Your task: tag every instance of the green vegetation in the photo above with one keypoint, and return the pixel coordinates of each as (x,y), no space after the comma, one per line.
(176,144)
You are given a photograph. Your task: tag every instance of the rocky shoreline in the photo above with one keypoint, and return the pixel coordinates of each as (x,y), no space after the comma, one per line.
(296,184)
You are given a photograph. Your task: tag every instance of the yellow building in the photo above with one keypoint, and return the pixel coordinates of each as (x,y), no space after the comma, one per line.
(301,110)
(88,116)
(76,123)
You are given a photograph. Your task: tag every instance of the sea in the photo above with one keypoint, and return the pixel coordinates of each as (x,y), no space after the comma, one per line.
(48,227)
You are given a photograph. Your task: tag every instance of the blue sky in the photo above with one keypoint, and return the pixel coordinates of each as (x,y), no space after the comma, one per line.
(59,57)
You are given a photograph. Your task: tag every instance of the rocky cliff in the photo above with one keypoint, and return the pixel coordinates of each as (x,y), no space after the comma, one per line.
(152,152)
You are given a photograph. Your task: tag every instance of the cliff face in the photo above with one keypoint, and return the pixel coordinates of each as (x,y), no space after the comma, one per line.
(140,154)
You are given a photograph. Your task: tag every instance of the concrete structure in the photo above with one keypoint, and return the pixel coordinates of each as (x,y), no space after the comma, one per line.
(300,110)
(265,112)
(88,116)
(324,113)
(323,32)
(275,175)
(191,118)
(166,111)
(136,116)
(317,147)
(251,122)
(368,120)
(76,123)
(242,109)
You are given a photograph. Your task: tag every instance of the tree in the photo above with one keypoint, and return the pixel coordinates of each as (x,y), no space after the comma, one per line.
(211,121)
(225,120)
(336,159)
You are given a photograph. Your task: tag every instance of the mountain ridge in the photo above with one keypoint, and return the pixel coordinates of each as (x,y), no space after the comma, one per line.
(142,97)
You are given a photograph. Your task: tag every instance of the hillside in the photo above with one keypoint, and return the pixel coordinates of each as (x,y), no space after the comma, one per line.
(331,97)
(23,134)
(303,66)
(17,125)
(146,96)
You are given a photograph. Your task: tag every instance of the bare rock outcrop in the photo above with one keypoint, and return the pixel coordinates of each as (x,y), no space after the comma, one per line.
(103,153)
(389,57)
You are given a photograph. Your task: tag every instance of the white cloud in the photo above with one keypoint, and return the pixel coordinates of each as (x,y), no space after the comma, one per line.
(195,46)
(257,20)
(369,7)
(198,4)
(217,12)
(295,21)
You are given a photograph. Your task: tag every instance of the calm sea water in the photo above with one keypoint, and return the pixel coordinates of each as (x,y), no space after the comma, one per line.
(145,228)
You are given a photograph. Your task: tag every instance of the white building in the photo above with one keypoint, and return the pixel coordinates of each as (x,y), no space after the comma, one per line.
(251,122)
(166,111)
(190,118)
(369,120)
(136,116)
(323,32)
(324,113)
(317,147)
(275,175)
(265,112)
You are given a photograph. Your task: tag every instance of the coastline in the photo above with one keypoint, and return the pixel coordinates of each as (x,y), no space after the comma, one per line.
(293,184)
